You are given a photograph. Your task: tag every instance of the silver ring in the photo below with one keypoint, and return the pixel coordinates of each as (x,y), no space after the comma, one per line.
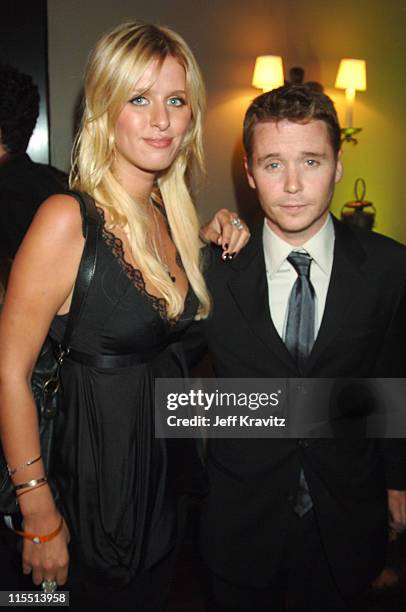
(49,586)
(236,221)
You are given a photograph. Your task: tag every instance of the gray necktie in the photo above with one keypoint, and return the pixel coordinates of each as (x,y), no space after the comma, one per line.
(299,339)
(299,335)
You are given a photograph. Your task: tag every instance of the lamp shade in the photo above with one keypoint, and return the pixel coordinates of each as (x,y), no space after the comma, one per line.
(352,75)
(268,72)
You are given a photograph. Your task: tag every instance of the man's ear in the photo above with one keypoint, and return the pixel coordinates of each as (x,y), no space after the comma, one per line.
(339,169)
(250,178)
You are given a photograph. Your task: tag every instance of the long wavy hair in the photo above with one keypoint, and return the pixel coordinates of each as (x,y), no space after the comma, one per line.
(116,63)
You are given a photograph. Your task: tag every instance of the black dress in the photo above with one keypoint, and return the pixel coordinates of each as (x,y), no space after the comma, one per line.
(113,474)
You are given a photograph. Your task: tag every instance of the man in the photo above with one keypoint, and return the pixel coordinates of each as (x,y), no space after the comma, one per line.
(302,524)
(23,183)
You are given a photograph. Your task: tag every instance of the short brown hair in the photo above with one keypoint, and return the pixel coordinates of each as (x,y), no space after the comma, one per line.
(297,103)
(19,108)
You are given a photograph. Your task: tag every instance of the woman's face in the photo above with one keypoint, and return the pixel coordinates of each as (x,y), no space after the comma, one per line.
(153,123)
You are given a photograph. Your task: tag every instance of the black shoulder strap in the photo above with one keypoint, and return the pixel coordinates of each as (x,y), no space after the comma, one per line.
(90,227)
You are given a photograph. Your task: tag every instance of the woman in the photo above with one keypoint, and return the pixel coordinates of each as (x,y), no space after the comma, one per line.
(140,138)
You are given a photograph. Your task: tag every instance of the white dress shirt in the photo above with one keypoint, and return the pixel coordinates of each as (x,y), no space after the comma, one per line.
(281,275)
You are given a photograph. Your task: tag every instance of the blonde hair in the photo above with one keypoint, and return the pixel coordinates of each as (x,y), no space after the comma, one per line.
(115,64)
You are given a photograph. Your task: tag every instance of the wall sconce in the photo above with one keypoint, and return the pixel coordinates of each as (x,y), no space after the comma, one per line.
(352,77)
(268,72)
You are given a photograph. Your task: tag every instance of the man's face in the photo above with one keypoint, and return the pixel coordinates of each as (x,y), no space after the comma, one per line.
(294,170)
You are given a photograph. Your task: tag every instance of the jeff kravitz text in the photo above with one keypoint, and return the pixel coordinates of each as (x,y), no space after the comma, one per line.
(230,421)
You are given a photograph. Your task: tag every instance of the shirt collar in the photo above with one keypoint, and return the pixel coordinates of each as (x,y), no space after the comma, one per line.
(320,247)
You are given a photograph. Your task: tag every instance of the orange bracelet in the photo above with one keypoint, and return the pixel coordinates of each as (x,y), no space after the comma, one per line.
(40,539)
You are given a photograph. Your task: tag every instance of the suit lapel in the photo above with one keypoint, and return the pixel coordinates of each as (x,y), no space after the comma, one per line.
(346,276)
(249,289)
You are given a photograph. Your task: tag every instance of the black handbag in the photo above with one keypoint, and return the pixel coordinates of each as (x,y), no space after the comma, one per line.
(45,380)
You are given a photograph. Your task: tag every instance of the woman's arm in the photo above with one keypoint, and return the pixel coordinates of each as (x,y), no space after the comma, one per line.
(40,285)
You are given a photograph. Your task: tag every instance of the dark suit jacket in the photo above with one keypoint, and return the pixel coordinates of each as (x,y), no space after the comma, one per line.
(24,185)
(254,482)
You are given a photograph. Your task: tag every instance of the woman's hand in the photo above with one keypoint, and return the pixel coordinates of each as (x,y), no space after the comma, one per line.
(227,230)
(50,560)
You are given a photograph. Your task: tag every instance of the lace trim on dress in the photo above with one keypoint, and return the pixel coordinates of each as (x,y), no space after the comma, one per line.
(116,246)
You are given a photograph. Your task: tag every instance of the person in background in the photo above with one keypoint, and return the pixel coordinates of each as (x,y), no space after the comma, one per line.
(114,532)
(24,184)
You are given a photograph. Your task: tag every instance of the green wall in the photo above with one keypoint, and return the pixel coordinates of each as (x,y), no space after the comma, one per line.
(226,36)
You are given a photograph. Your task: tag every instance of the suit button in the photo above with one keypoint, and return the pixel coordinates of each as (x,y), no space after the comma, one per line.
(291,498)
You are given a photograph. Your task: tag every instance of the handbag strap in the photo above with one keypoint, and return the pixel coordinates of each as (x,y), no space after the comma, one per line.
(91,223)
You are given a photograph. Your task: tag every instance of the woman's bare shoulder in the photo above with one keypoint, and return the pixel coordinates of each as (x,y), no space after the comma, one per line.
(61,212)
(57,229)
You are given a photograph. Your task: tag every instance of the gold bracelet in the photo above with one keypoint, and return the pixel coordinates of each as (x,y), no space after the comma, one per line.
(29,489)
(30,483)
(12,471)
